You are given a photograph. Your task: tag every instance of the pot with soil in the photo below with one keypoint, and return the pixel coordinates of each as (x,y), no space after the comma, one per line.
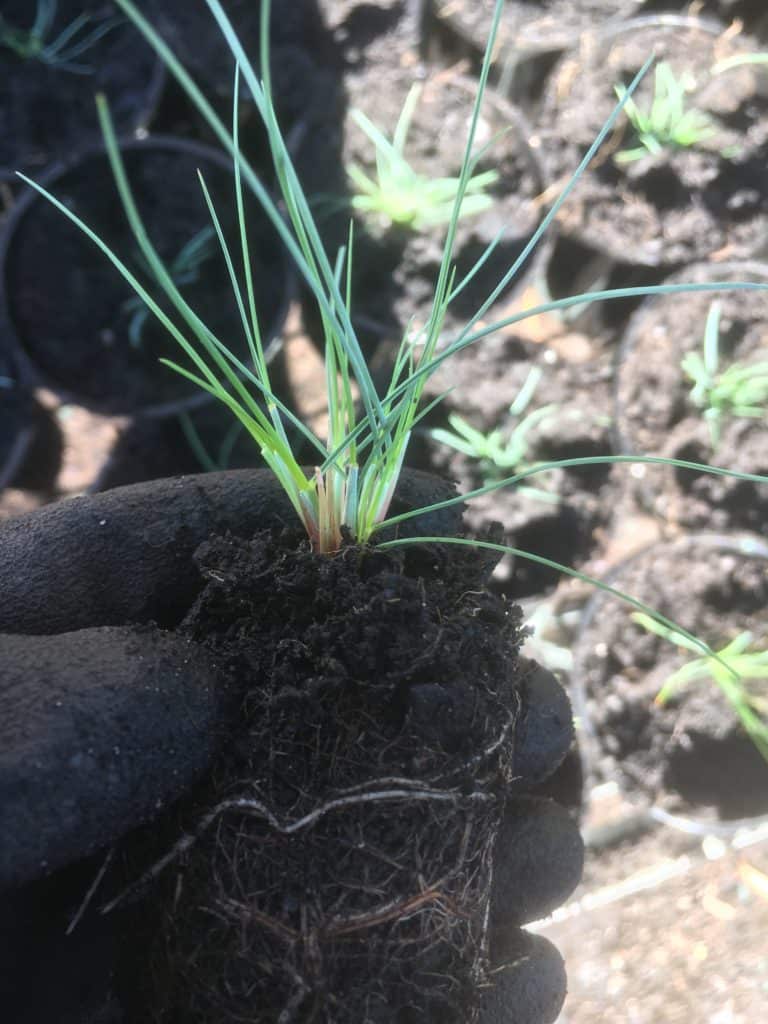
(512,403)
(682,177)
(400,221)
(669,731)
(531,34)
(30,444)
(55,55)
(670,402)
(78,326)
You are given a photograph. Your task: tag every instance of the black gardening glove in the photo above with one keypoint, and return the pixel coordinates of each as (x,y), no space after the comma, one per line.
(106,716)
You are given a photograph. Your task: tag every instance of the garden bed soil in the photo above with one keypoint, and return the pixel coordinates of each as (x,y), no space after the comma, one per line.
(353,882)
(690,755)
(683,204)
(395,267)
(70,310)
(655,416)
(46,112)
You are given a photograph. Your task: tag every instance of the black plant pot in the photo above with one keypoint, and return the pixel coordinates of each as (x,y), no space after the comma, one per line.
(79,327)
(47,110)
(654,414)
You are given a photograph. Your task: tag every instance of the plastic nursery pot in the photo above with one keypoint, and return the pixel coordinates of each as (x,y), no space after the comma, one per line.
(655,414)
(395,263)
(30,444)
(691,754)
(46,103)
(682,203)
(79,327)
(530,34)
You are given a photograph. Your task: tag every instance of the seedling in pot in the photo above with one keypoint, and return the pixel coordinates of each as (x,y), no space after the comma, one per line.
(184,269)
(402,196)
(734,668)
(79,36)
(668,123)
(739,390)
(497,455)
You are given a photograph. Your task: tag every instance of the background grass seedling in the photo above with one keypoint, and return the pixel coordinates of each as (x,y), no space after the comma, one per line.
(668,122)
(399,194)
(184,269)
(738,390)
(347,496)
(61,52)
(496,453)
(735,669)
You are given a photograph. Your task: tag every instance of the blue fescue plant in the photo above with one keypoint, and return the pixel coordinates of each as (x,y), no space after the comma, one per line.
(399,194)
(721,393)
(668,122)
(735,669)
(347,496)
(61,52)
(498,451)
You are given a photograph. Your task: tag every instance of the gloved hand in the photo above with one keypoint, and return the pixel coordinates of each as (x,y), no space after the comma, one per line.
(106,718)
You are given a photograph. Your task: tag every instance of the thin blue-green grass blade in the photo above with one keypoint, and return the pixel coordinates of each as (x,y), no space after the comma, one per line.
(555,208)
(254,336)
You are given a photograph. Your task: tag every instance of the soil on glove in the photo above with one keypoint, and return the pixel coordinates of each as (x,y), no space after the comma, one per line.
(692,752)
(339,861)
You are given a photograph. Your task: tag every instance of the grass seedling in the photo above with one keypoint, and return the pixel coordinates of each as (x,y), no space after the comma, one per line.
(496,454)
(734,668)
(184,269)
(668,123)
(399,194)
(347,496)
(61,52)
(740,390)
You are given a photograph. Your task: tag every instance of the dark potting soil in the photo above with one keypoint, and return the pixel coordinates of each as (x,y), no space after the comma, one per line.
(395,266)
(47,112)
(560,524)
(340,866)
(72,311)
(655,415)
(693,751)
(679,205)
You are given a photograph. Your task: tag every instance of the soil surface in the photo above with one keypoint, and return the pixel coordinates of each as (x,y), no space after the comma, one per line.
(683,203)
(676,751)
(656,416)
(48,111)
(358,672)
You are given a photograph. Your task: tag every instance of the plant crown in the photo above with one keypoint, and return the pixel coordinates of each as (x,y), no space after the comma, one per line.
(740,390)
(62,52)
(399,194)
